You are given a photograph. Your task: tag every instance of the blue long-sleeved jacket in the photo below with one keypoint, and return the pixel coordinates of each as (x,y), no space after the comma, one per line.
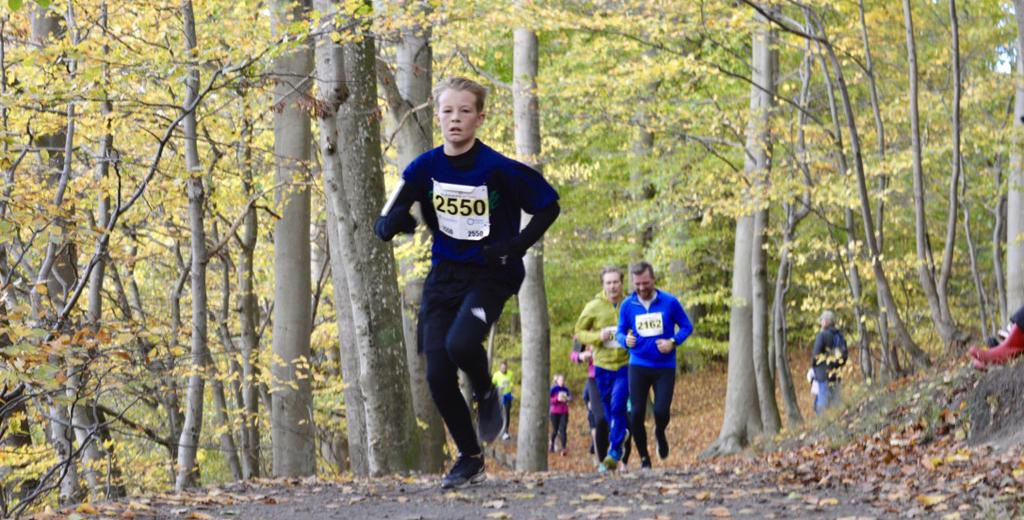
(663,320)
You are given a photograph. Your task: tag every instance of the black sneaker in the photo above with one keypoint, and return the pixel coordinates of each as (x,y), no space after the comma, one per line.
(488,415)
(467,470)
(645,463)
(662,444)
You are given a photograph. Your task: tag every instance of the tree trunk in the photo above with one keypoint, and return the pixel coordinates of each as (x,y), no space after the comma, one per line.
(330,68)
(954,179)
(883,181)
(248,317)
(919,358)
(795,212)
(357,190)
(532,441)
(234,374)
(355,407)
(408,94)
(780,328)
(742,421)
(1015,191)
(925,264)
(999,238)
(170,398)
(84,417)
(851,232)
(55,270)
(291,415)
(987,326)
(757,167)
(188,473)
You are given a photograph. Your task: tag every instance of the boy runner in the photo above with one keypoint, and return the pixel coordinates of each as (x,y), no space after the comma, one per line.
(471,197)
(652,323)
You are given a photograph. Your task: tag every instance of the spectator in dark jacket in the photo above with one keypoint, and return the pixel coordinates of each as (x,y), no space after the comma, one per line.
(827,358)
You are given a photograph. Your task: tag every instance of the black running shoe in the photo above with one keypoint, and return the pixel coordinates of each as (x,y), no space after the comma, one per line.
(645,463)
(662,444)
(467,470)
(489,421)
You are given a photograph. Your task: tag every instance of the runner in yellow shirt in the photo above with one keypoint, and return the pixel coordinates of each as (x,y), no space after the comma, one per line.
(502,379)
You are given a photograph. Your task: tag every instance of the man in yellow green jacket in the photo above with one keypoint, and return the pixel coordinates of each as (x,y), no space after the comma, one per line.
(596,327)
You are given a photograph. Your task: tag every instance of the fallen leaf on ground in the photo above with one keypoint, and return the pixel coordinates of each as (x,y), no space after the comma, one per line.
(86,509)
(719,512)
(494,504)
(593,497)
(931,500)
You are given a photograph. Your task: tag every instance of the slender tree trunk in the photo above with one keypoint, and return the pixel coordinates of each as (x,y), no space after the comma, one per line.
(170,399)
(85,417)
(408,94)
(856,290)
(248,317)
(357,190)
(918,357)
(55,270)
(998,240)
(757,166)
(188,472)
(532,441)
(333,92)
(954,181)
(987,326)
(291,415)
(925,265)
(234,374)
(1015,190)
(795,212)
(782,370)
(883,182)
(355,407)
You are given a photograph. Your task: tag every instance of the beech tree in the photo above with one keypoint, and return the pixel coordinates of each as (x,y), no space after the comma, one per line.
(291,415)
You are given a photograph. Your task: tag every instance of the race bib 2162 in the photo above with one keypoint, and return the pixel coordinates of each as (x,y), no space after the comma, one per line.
(649,325)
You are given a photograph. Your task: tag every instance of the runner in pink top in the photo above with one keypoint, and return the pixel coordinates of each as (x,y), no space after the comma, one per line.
(560,397)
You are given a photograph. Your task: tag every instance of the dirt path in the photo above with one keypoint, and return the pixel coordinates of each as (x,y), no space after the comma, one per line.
(707,492)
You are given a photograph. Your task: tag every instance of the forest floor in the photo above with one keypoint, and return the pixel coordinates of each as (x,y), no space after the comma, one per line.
(943,444)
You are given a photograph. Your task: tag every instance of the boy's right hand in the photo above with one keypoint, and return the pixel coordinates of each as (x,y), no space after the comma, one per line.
(387,227)
(630,339)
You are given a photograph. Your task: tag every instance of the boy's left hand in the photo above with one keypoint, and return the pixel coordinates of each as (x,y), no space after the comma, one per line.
(498,254)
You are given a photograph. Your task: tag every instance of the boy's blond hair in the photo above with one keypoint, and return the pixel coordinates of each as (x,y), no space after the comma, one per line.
(464,84)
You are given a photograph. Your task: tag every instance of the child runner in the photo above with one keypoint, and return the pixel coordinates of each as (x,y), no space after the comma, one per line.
(659,320)
(560,397)
(502,379)
(472,198)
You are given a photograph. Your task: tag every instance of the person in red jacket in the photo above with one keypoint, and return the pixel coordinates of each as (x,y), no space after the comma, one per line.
(1010,347)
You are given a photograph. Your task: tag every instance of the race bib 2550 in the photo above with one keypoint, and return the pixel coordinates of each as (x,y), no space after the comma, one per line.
(462,211)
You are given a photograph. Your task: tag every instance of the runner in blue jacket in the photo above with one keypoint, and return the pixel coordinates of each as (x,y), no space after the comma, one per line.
(652,323)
